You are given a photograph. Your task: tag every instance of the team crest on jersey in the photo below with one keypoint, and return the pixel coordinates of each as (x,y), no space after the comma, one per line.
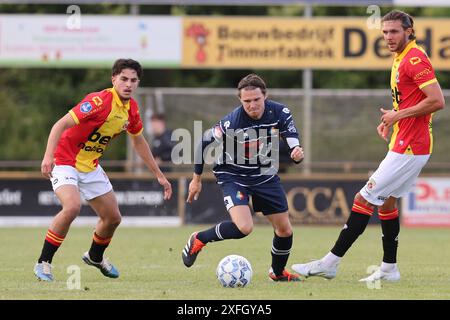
(397,77)
(85,107)
(291,127)
(125,125)
(286,110)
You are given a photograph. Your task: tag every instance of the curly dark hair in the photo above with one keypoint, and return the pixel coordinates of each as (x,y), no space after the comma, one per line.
(121,64)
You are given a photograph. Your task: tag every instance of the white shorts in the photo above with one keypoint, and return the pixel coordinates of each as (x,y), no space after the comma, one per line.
(91,184)
(394,177)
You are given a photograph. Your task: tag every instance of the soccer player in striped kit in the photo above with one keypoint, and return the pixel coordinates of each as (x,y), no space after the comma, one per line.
(257,123)
(416,95)
(75,144)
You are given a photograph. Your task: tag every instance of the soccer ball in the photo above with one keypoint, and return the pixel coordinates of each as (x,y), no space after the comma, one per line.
(234,271)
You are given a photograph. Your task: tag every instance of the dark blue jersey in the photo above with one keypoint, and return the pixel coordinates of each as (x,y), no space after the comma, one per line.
(249,148)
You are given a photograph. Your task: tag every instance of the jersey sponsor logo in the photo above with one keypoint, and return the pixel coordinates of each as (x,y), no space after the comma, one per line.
(286,110)
(396,95)
(85,107)
(415,60)
(97,100)
(422,73)
(95,136)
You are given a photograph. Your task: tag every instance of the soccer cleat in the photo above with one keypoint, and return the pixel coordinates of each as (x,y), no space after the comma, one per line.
(393,276)
(191,250)
(105,266)
(315,268)
(285,276)
(43,271)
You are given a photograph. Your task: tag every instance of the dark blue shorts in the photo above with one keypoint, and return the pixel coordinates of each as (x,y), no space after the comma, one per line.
(267,198)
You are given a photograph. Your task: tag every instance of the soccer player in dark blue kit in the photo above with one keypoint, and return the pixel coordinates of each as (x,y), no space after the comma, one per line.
(254,126)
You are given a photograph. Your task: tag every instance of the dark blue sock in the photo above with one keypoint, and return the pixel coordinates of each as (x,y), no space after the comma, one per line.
(281,248)
(222,231)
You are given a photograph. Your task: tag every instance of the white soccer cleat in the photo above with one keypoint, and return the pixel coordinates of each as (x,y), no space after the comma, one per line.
(315,268)
(393,276)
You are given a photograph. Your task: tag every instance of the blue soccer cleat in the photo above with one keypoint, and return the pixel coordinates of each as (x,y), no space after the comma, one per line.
(105,266)
(43,271)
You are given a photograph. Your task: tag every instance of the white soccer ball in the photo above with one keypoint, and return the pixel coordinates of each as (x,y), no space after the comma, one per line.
(234,271)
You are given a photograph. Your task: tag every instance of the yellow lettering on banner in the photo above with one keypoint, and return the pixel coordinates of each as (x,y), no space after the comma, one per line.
(290,198)
(319,43)
(336,200)
(339,202)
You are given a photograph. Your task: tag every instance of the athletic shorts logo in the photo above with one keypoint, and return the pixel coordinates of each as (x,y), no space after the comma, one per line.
(85,107)
(228,202)
(371,184)
(239,195)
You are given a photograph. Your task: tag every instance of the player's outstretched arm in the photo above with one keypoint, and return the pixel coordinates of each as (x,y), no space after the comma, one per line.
(195,187)
(143,150)
(58,128)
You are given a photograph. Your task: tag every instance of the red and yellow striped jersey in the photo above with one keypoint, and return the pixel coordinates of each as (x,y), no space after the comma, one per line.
(100,117)
(411,71)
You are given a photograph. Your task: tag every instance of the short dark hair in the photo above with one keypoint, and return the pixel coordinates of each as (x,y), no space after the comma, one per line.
(250,82)
(121,64)
(158,116)
(406,19)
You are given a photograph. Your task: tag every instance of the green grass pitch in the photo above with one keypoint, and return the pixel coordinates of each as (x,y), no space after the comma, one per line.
(149,260)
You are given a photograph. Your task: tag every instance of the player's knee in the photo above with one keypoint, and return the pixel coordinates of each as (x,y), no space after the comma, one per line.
(71,210)
(359,198)
(115,220)
(284,232)
(246,228)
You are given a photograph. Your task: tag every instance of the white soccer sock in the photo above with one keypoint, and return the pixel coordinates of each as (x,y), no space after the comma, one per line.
(388,267)
(330,260)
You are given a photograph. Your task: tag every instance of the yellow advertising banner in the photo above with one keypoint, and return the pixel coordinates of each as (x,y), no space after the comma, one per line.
(298,43)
